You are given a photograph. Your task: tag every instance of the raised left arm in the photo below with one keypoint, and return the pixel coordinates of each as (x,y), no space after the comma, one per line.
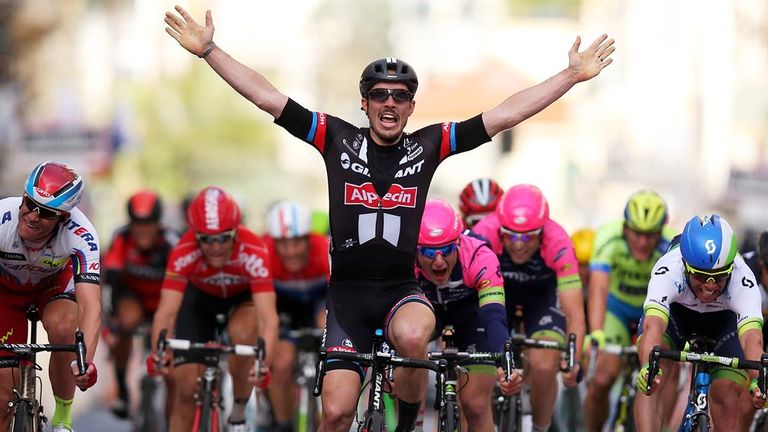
(582,66)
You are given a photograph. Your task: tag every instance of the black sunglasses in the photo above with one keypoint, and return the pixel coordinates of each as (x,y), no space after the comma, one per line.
(382,94)
(43,212)
(216,238)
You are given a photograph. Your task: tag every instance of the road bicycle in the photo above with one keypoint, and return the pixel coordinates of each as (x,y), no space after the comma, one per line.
(624,419)
(696,416)
(379,360)
(26,408)
(208,397)
(308,342)
(450,419)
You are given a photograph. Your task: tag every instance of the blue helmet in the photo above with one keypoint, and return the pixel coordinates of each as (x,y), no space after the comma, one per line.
(708,243)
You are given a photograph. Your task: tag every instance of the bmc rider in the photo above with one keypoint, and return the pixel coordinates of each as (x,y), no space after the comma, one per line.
(49,257)
(377,181)
(620,267)
(460,276)
(541,276)
(478,199)
(218,267)
(702,286)
(133,269)
(300,270)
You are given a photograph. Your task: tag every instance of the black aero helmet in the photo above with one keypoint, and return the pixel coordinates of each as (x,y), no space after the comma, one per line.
(388,69)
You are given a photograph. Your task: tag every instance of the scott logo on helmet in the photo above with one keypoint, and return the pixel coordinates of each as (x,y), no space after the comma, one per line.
(366,195)
(212,209)
(710,246)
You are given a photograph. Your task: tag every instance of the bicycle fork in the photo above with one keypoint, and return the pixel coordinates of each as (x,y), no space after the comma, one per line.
(698,401)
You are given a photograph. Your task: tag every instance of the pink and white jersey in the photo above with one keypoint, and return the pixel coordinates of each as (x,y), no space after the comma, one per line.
(556,250)
(23,268)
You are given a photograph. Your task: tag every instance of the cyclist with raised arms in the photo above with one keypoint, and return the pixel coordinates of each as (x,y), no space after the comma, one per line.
(134,267)
(460,276)
(620,267)
(378,178)
(541,276)
(49,257)
(218,267)
(702,286)
(300,272)
(478,199)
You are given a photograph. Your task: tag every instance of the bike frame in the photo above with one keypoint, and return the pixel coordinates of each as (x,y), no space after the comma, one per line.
(697,407)
(26,395)
(207,416)
(378,361)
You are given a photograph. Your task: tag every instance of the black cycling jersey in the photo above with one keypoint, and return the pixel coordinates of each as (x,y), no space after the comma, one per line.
(377,193)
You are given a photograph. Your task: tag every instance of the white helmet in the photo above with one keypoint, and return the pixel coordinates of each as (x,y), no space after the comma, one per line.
(288,219)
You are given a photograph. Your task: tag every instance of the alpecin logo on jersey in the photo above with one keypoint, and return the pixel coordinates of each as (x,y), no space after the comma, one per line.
(366,195)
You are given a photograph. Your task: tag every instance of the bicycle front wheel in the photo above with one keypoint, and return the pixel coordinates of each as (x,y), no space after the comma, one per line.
(374,422)
(449,418)
(203,416)
(23,417)
(701,424)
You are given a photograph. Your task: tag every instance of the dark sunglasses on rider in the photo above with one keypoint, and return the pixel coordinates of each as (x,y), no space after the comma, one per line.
(42,211)
(524,237)
(705,276)
(382,94)
(216,238)
(431,252)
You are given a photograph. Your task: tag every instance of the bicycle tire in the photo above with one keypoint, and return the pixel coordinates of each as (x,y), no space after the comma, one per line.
(147,419)
(374,422)
(449,418)
(23,417)
(510,418)
(203,423)
(701,424)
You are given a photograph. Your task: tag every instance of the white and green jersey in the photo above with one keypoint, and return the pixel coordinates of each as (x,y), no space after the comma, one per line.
(629,277)
(669,284)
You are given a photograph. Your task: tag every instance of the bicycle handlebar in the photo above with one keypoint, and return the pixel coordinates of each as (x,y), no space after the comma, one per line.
(657,353)
(504,358)
(569,348)
(23,350)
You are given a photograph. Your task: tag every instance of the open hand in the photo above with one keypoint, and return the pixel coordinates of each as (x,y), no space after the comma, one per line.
(587,64)
(188,33)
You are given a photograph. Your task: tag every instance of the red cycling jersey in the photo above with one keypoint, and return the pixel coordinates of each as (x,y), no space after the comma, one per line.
(313,276)
(136,271)
(247,268)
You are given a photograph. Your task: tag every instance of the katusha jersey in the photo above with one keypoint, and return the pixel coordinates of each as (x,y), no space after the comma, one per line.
(670,285)
(377,193)
(303,285)
(554,264)
(137,271)
(247,269)
(24,268)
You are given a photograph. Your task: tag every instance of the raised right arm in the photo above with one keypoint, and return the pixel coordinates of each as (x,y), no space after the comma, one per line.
(198,40)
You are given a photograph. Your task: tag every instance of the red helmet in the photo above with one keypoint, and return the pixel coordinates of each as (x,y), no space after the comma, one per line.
(145,206)
(213,211)
(440,224)
(54,185)
(523,208)
(480,196)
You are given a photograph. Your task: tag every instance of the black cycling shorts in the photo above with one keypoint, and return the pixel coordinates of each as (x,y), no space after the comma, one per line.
(357,308)
(196,320)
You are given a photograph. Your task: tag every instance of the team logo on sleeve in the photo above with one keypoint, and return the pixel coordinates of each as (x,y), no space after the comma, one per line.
(366,195)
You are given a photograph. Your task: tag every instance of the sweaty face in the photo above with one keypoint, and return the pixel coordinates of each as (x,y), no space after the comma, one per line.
(387,118)
(144,234)
(521,251)
(32,227)
(217,253)
(438,270)
(641,245)
(293,252)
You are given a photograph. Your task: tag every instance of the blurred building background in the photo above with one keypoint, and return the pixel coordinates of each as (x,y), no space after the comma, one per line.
(683,108)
